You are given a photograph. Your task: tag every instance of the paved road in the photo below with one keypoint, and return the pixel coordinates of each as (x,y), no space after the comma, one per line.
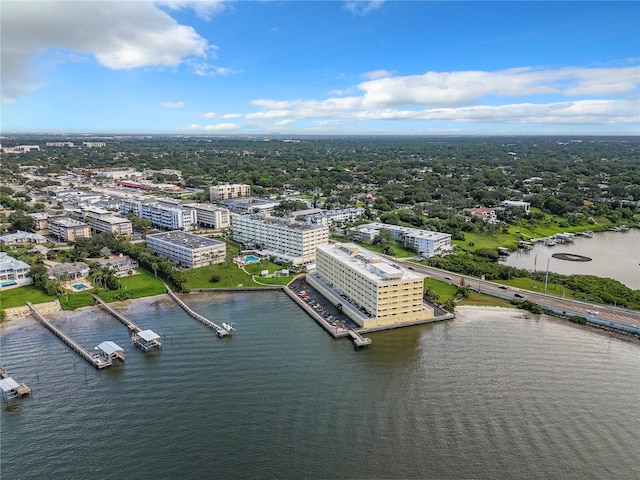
(616,315)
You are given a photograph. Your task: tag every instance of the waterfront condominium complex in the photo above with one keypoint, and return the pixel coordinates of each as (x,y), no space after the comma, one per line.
(371,290)
(284,239)
(226,191)
(425,242)
(186,249)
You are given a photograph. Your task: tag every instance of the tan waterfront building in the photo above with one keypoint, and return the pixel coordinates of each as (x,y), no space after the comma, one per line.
(372,290)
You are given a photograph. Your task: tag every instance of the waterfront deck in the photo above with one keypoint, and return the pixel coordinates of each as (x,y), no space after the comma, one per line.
(10,388)
(358,340)
(220,331)
(94,359)
(145,340)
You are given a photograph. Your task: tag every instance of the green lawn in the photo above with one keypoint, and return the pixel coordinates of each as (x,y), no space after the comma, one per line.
(137,286)
(482,300)
(230,276)
(76,300)
(538,286)
(18,297)
(444,290)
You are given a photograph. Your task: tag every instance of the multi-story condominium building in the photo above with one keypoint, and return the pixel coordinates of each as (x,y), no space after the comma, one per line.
(40,222)
(60,144)
(211,216)
(186,249)
(104,221)
(161,213)
(251,205)
(284,239)
(326,218)
(68,229)
(94,144)
(370,289)
(13,272)
(226,191)
(425,242)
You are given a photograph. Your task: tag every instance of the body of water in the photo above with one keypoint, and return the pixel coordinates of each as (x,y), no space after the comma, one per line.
(485,397)
(614,255)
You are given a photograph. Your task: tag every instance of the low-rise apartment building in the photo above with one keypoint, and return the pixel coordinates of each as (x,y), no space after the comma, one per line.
(186,249)
(211,216)
(226,191)
(425,242)
(68,229)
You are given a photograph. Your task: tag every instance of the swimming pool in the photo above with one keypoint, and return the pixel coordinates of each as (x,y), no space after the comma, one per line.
(10,283)
(250,259)
(79,286)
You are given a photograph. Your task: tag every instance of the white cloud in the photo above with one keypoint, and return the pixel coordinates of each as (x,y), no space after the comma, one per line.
(172,104)
(205,9)
(564,98)
(362,7)
(119,34)
(221,127)
(205,69)
(220,115)
(377,74)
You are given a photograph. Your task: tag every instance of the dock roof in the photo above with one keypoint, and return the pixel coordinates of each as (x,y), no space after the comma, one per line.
(8,384)
(110,347)
(148,335)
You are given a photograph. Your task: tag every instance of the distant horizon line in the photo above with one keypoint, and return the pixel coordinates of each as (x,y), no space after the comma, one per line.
(295,135)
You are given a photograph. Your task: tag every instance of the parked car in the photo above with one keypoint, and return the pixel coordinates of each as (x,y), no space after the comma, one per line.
(447,278)
(519,295)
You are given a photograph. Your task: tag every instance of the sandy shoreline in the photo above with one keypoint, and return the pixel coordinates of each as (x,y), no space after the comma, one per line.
(462,313)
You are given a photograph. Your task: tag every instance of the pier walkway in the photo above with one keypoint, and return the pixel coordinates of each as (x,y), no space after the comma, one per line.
(130,325)
(145,340)
(222,332)
(76,347)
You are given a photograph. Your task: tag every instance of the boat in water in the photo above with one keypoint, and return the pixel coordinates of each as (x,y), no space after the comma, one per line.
(229,327)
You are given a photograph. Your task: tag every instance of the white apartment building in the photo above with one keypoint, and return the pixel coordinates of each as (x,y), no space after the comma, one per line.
(162,214)
(101,220)
(370,289)
(94,144)
(284,239)
(186,249)
(68,229)
(60,144)
(326,218)
(212,216)
(425,242)
(226,191)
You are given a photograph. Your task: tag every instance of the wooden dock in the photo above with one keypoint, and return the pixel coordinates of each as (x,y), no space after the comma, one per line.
(358,340)
(222,332)
(10,388)
(94,360)
(145,340)
(128,323)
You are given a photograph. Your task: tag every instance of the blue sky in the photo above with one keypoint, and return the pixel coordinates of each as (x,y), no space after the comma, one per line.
(331,67)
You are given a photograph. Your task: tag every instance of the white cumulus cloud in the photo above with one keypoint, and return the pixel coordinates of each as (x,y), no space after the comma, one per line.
(118,34)
(172,104)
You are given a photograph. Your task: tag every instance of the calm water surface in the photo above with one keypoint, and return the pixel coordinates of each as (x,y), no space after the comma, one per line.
(479,398)
(614,255)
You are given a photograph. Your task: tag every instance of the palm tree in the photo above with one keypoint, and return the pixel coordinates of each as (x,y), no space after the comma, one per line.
(154,267)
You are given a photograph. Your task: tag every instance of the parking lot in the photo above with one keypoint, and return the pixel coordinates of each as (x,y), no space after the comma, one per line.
(321,305)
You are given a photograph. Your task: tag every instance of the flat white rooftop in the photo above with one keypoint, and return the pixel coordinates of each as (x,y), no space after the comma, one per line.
(368,264)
